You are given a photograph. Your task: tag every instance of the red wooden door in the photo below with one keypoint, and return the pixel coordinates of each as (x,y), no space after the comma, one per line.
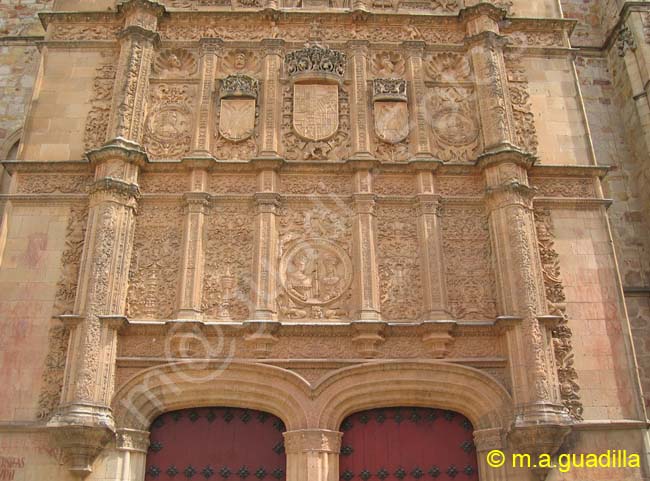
(407,444)
(216,444)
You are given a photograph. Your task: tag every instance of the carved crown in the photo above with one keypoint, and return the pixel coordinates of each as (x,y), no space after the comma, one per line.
(317,60)
(389,89)
(239,86)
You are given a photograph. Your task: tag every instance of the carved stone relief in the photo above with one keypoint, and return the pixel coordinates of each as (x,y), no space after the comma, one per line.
(316,184)
(451,113)
(393,184)
(460,186)
(524,118)
(241,61)
(310,137)
(168,127)
(562,334)
(315,263)
(387,64)
(155,263)
(564,187)
(53,183)
(232,184)
(448,67)
(164,183)
(228,262)
(470,279)
(66,289)
(98,116)
(175,63)
(399,267)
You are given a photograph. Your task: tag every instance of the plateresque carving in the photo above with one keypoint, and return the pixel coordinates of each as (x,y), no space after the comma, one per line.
(387,64)
(169,123)
(175,63)
(391,115)
(315,59)
(238,107)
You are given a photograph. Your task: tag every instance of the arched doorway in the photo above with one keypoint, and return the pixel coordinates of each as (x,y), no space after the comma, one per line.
(407,444)
(216,444)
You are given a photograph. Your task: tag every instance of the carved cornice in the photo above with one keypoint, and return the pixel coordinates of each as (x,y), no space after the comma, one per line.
(132,440)
(483,9)
(126,151)
(116,323)
(507,154)
(150,6)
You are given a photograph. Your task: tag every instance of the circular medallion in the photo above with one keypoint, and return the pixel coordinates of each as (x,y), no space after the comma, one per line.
(315,272)
(454,128)
(169,123)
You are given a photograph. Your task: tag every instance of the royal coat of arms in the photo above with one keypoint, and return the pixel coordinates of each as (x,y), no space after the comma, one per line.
(390,110)
(238,107)
(316,110)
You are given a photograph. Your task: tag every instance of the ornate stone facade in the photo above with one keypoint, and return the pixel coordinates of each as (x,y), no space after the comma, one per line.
(313,208)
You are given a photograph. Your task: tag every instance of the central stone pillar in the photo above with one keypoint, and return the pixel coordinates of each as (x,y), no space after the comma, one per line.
(365,245)
(312,454)
(420,141)
(271,115)
(265,257)
(359,108)
(210,48)
(84,424)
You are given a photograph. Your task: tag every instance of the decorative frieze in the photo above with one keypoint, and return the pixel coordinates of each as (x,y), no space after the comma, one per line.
(97,119)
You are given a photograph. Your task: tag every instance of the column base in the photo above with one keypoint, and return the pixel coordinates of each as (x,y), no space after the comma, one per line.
(82,432)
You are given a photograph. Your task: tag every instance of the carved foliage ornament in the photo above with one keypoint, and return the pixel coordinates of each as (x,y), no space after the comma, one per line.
(316,60)
(562,334)
(387,64)
(97,120)
(390,109)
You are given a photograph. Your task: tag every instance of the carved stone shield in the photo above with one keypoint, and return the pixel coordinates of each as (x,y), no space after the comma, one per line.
(391,121)
(315,110)
(237,118)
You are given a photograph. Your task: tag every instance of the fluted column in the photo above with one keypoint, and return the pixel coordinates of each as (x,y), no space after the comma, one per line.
(486,52)
(209,59)
(83,424)
(420,141)
(312,454)
(360,117)
(431,252)
(271,117)
(265,258)
(193,258)
(365,246)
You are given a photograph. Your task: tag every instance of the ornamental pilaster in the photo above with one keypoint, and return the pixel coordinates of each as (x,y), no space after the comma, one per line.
(365,247)
(417,100)
(137,42)
(193,256)
(487,440)
(271,116)
(210,49)
(521,297)
(359,108)
(485,47)
(312,454)
(265,257)
(431,252)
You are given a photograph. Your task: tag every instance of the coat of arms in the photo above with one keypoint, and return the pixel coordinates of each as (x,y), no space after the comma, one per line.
(315,110)
(390,110)
(238,107)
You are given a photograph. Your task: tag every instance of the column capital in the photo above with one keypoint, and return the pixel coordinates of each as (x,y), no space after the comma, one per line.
(488,439)
(196,201)
(114,190)
(133,440)
(312,440)
(414,47)
(81,444)
(210,45)
(506,155)
(482,17)
(272,46)
(358,45)
(120,149)
(130,8)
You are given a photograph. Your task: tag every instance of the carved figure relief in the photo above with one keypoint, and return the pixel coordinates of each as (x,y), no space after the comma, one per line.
(175,62)
(387,64)
(228,262)
(315,264)
(454,126)
(399,267)
(98,116)
(168,126)
(155,262)
(555,296)
(240,61)
(468,257)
